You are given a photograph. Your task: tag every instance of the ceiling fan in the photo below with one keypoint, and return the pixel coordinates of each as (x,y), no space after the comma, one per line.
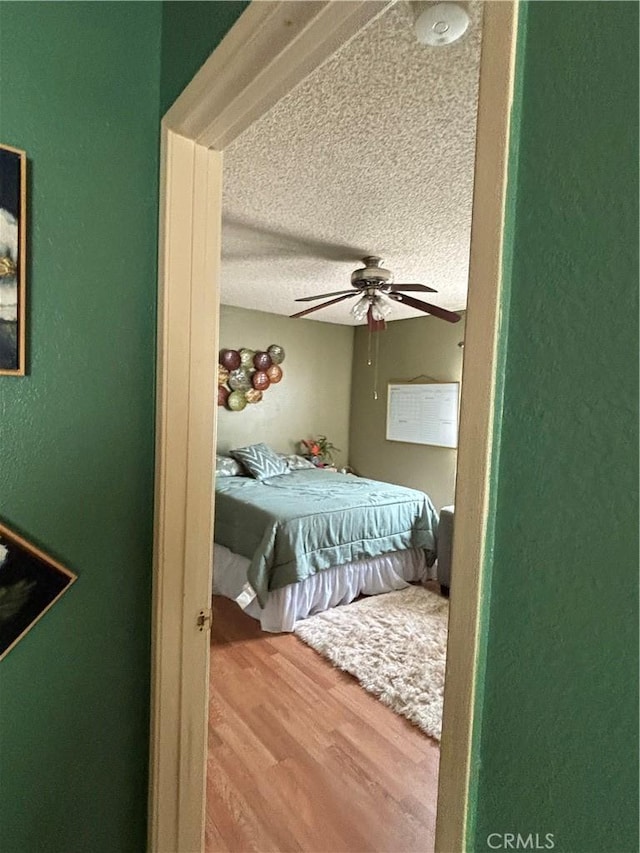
(377,291)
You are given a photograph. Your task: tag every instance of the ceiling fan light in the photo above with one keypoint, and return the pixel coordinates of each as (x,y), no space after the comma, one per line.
(380,308)
(360,309)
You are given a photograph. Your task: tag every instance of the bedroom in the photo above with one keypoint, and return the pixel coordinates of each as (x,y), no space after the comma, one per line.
(279,245)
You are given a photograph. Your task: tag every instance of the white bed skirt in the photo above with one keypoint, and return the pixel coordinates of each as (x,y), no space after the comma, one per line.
(328,588)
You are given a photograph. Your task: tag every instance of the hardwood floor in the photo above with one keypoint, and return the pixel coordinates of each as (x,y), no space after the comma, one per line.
(301,758)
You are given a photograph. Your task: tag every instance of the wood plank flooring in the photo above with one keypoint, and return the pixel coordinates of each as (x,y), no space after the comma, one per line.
(301,758)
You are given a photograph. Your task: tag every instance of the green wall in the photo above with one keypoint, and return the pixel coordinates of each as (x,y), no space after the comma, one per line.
(80,90)
(556,748)
(189,32)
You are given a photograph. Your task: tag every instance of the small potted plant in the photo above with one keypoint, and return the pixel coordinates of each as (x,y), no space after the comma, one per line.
(319,450)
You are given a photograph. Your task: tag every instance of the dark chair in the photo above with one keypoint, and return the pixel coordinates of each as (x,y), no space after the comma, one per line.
(445,541)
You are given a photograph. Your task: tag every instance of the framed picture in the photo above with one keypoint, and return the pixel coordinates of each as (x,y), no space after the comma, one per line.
(30,583)
(13,228)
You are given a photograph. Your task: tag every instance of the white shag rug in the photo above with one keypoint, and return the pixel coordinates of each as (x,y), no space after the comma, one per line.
(395,644)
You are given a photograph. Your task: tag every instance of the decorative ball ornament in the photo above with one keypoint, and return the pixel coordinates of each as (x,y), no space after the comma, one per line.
(239,380)
(223,395)
(230,358)
(262,361)
(276,352)
(253,395)
(246,357)
(245,374)
(274,373)
(223,375)
(236,401)
(260,380)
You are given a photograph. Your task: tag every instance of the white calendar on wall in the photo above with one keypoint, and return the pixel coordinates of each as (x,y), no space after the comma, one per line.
(423,414)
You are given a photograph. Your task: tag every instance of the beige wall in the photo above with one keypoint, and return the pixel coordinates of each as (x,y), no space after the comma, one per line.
(314,394)
(408,348)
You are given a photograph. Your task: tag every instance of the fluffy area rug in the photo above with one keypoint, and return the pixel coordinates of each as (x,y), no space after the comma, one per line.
(395,644)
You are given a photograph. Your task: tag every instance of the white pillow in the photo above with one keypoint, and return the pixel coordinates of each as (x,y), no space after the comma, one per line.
(227,467)
(296,462)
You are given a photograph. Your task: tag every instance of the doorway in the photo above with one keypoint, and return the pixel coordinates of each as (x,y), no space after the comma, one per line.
(265,54)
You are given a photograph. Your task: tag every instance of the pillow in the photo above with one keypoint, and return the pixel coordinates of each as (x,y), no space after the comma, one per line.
(260,461)
(227,467)
(296,462)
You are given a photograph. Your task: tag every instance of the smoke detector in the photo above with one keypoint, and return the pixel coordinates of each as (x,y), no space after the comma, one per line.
(441,24)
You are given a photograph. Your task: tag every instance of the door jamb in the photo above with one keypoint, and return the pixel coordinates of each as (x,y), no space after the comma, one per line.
(478,409)
(271,48)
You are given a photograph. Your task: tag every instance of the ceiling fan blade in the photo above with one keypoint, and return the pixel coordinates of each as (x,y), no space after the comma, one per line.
(324,295)
(271,242)
(323,305)
(422,287)
(412,302)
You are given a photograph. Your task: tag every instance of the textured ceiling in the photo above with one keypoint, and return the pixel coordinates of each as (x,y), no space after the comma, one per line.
(372,154)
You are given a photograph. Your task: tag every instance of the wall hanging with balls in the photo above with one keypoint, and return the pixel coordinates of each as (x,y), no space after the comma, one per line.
(245,374)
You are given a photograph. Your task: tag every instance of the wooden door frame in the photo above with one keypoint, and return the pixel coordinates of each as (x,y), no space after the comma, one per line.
(271,48)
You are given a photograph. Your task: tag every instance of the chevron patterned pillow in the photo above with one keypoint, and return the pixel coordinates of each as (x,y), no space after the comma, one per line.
(260,461)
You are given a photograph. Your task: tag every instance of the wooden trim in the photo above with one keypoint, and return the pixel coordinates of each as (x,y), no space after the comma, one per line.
(477,412)
(271,48)
(198,553)
(170,501)
(187,332)
(37,552)
(13,150)
(261,59)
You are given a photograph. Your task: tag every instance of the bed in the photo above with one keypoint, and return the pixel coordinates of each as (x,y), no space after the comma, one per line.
(290,545)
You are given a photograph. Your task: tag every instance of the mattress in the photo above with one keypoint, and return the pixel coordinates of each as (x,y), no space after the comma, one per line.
(330,588)
(293,526)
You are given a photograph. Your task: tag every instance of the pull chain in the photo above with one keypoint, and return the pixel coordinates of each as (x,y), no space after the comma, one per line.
(375,367)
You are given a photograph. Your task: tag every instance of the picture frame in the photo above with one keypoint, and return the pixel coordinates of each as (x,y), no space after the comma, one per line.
(13,239)
(31,582)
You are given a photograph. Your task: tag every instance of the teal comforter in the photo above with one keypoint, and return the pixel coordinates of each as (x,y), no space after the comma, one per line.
(296,524)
